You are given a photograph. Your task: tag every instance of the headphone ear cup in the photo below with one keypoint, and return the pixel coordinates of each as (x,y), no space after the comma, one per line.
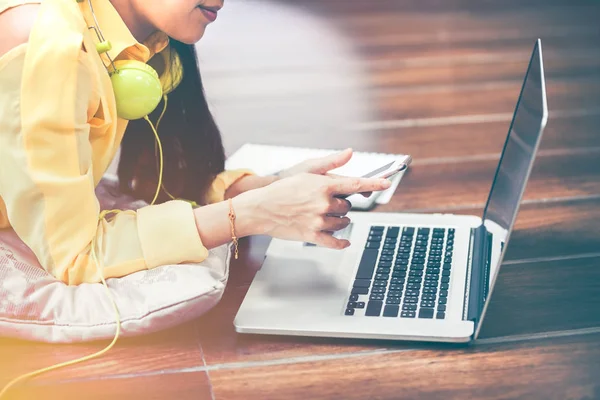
(137,89)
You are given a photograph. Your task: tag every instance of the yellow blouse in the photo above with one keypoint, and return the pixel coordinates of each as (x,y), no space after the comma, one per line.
(58,134)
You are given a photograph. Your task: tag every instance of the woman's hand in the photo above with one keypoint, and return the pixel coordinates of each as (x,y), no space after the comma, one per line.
(303,207)
(319,165)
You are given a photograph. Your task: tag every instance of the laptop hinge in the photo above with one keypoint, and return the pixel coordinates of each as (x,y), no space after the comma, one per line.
(480,274)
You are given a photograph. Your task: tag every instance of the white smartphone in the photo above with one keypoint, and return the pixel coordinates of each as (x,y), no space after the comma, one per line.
(387,171)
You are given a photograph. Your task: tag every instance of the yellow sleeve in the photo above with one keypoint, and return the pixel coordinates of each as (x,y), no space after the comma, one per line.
(46,173)
(222,182)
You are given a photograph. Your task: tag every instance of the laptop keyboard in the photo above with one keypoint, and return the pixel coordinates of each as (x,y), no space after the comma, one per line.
(404,272)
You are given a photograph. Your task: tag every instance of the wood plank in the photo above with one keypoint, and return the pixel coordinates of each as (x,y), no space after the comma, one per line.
(174,348)
(426,67)
(387,11)
(561,95)
(550,369)
(182,386)
(423,77)
(439,186)
(426,143)
(396,102)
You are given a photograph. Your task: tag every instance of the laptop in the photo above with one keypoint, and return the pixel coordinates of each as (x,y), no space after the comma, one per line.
(406,276)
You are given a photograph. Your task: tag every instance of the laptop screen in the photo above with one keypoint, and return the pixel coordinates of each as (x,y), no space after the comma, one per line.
(517,157)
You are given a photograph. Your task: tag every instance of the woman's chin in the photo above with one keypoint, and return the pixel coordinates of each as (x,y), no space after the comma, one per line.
(189,37)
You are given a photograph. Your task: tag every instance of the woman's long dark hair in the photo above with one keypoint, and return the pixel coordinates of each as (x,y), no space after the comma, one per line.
(192,145)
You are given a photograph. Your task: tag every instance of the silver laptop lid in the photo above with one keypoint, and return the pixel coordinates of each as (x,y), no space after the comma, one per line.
(522,142)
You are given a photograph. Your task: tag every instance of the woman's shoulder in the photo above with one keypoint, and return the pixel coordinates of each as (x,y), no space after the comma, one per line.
(46,21)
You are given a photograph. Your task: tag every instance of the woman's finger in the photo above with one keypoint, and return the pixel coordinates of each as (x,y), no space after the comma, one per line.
(324,164)
(358,185)
(332,224)
(325,239)
(339,207)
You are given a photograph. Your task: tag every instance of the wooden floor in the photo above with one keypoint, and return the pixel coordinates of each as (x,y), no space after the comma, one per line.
(435,79)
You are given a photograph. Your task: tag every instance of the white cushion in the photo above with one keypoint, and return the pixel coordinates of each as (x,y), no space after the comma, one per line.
(36,306)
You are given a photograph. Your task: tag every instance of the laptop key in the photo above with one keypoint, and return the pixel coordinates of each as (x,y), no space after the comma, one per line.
(440,315)
(393,231)
(376,296)
(351,304)
(372,245)
(367,264)
(360,304)
(378,289)
(392,300)
(444,286)
(409,307)
(349,311)
(443,293)
(407,314)
(360,290)
(353,297)
(441,307)
(362,283)
(374,308)
(426,313)
(391,310)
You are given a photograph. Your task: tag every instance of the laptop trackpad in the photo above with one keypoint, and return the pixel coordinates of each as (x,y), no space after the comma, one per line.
(313,272)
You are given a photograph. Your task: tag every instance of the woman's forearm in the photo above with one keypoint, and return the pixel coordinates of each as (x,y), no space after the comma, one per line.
(214,226)
(247,183)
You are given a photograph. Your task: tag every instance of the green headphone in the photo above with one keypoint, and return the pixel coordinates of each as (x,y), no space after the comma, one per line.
(137,87)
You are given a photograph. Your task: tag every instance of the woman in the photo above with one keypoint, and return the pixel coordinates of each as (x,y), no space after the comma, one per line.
(60,128)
